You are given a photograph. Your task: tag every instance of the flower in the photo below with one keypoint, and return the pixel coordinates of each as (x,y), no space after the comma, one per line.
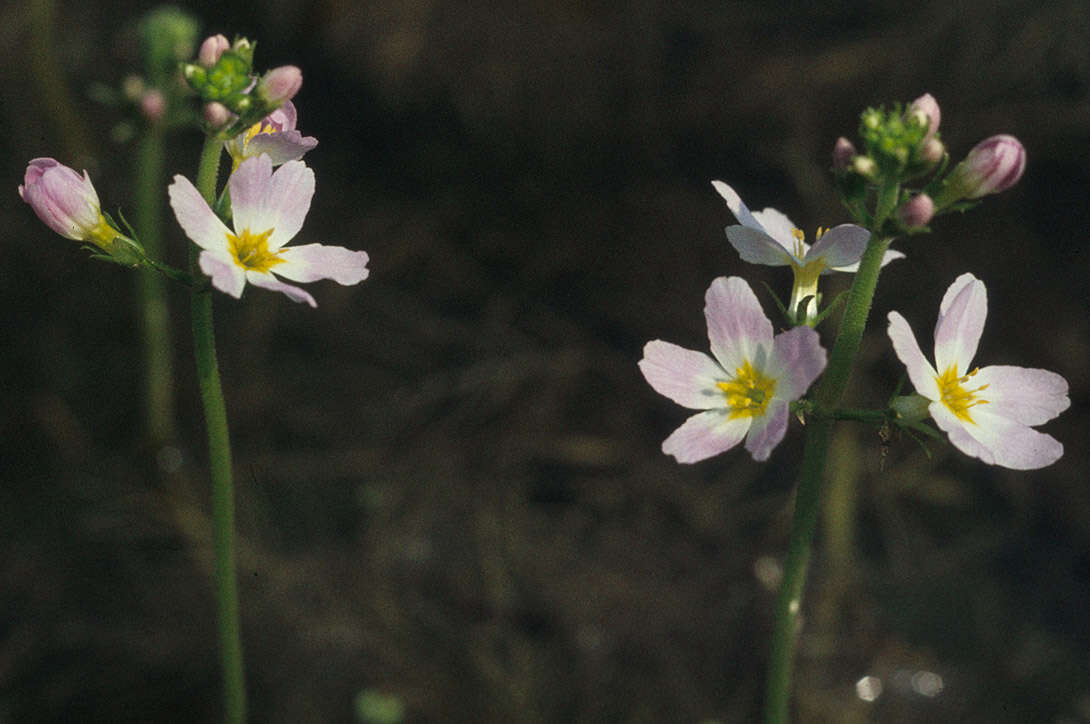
(993,165)
(66,202)
(268,210)
(745,390)
(926,109)
(917,211)
(212,49)
(768,237)
(279,85)
(987,412)
(274,135)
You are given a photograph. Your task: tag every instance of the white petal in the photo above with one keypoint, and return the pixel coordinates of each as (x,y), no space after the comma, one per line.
(310,262)
(686,377)
(757,247)
(796,361)
(840,245)
(734,203)
(227,276)
(279,201)
(778,226)
(705,434)
(908,351)
(1026,395)
(766,431)
(998,440)
(886,259)
(248,184)
(738,329)
(961,322)
(959,435)
(268,281)
(196,218)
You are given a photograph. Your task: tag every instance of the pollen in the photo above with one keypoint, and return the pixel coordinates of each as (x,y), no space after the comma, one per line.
(957,398)
(748,393)
(251,251)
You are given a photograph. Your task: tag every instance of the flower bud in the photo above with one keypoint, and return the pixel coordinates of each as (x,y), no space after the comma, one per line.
(931,151)
(911,408)
(864,166)
(917,211)
(211,50)
(926,108)
(995,164)
(216,115)
(843,150)
(153,105)
(66,202)
(279,85)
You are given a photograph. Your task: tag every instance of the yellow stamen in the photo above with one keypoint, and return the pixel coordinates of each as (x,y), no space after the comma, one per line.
(956,398)
(748,393)
(251,251)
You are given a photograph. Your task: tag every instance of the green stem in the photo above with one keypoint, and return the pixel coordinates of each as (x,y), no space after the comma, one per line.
(155,317)
(219,453)
(807,500)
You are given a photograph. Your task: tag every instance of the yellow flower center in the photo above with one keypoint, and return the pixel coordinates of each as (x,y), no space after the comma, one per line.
(957,398)
(748,393)
(251,251)
(238,153)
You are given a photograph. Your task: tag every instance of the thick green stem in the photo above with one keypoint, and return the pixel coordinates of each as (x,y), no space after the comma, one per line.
(807,499)
(219,453)
(155,317)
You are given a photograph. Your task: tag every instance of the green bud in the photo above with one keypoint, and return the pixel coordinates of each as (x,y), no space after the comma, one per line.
(167,36)
(911,408)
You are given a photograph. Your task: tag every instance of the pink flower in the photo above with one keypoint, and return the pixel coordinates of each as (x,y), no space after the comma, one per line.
(746,389)
(917,211)
(928,109)
(267,212)
(275,136)
(995,164)
(987,412)
(65,201)
(211,49)
(279,85)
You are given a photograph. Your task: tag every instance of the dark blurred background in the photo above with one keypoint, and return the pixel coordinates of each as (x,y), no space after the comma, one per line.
(449,481)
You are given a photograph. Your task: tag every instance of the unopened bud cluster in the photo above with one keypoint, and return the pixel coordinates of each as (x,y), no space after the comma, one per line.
(902,146)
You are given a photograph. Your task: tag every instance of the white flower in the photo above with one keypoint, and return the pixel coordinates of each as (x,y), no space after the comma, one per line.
(746,389)
(987,412)
(267,212)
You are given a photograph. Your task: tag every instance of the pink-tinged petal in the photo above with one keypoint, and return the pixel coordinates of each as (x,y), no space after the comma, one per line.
(686,377)
(1013,444)
(766,431)
(1026,395)
(280,147)
(310,262)
(285,202)
(196,218)
(757,247)
(65,201)
(268,281)
(961,322)
(796,361)
(959,435)
(249,184)
(886,259)
(840,245)
(227,276)
(778,226)
(739,209)
(908,351)
(705,434)
(738,329)
(283,118)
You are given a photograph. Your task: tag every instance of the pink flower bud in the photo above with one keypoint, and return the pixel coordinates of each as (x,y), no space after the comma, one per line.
(928,109)
(153,105)
(211,50)
(917,211)
(279,85)
(995,164)
(843,150)
(63,200)
(216,114)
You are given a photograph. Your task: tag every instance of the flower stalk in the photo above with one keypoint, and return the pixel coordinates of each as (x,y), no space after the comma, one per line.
(219,454)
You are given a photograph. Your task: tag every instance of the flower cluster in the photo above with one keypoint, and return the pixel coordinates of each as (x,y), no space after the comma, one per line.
(745,388)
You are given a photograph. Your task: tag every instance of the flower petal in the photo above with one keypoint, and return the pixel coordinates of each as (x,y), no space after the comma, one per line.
(705,434)
(767,431)
(908,351)
(262,200)
(886,259)
(959,435)
(998,440)
(310,262)
(268,281)
(686,377)
(796,361)
(248,184)
(961,322)
(196,218)
(227,276)
(281,147)
(1026,395)
(757,247)
(738,329)
(778,226)
(840,245)
(734,203)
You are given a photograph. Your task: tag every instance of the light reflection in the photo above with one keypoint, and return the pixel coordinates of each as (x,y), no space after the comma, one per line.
(927,683)
(768,571)
(869,688)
